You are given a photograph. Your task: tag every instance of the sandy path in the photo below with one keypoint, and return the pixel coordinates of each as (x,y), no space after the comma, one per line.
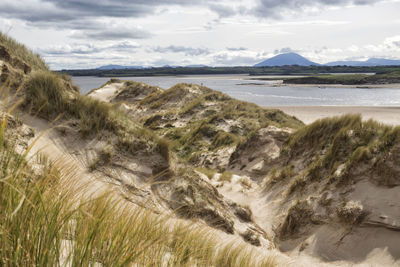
(308,114)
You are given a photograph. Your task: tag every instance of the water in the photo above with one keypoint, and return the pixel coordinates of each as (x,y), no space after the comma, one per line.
(266,93)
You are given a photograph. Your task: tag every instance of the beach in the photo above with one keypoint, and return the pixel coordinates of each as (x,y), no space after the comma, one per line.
(308,114)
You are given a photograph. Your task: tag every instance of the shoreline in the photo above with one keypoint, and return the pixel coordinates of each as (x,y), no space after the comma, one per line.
(358,86)
(384,114)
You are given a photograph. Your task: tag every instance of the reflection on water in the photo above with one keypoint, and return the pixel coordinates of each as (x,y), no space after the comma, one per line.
(267,93)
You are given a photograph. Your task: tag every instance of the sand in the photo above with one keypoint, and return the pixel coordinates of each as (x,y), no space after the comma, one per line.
(107,92)
(308,114)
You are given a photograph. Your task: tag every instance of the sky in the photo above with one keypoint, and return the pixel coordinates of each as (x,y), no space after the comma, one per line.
(73,34)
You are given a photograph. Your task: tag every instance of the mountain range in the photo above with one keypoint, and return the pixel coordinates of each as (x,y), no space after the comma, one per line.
(121,67)
(118,67)
(296,59)
(369,62)
(282,60)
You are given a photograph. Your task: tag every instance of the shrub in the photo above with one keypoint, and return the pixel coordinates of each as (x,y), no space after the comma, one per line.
(208,172)
(45,93)
(226,176)
(351,212)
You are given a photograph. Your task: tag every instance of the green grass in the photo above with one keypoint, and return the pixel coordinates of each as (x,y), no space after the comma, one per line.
(208,172)
(20,51)
(47,94)
(276,176)
(226,176)
(348,79)
(209,113)
(47,220)
(344,140)
(50,96)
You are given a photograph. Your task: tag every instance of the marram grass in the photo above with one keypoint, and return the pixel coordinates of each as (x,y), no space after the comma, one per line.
(44,221)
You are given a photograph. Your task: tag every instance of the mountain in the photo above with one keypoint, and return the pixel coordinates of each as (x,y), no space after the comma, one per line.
(382,62)
(344,63)
(118,67)
(196,66)
(369,62)
(286,59)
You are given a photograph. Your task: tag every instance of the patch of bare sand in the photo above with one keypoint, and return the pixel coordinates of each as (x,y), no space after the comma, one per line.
(48,142)
(106,92)
(309,114)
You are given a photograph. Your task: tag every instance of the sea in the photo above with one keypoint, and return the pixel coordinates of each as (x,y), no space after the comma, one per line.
(267,93)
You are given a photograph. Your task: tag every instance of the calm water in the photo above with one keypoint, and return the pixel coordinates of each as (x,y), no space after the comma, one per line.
(264,93)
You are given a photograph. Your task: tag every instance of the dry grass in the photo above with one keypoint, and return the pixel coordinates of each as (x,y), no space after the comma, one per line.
(208,172)
(347,140)
(226,176)
(49,95)
(215,120)
(44,222)
(20,51)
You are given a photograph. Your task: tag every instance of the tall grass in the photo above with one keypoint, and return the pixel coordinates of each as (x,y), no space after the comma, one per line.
(47,220)
(20,51)
(50,95)
(346,140)
(47,93)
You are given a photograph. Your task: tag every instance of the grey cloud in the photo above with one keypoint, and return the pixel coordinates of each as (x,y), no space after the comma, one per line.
(234,60)
(283,50)
(64,10)
(113,34)
(87,49)
(236,48)
(189,51)
(47,11)
(83,15)
(223,10)
(274,8)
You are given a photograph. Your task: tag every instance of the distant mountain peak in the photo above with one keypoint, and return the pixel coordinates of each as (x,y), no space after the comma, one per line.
(369,62)
(118,67)
(286,59)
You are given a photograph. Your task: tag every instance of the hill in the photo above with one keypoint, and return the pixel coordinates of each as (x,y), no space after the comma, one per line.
(286,59)
(366,63)
(118,67)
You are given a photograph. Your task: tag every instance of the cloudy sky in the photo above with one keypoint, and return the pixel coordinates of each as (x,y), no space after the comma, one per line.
(91,33)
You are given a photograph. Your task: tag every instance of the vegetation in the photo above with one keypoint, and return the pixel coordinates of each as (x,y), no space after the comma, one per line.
(348,79)
(21,52)
(47,220)
(43,222)
(226,176)
(49,95)
(208,172)
(214,120)
(345,140)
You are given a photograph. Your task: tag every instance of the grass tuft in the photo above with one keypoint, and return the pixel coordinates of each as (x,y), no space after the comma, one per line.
(20,51)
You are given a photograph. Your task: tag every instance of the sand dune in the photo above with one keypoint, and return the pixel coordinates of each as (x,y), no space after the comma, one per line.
(308,114)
